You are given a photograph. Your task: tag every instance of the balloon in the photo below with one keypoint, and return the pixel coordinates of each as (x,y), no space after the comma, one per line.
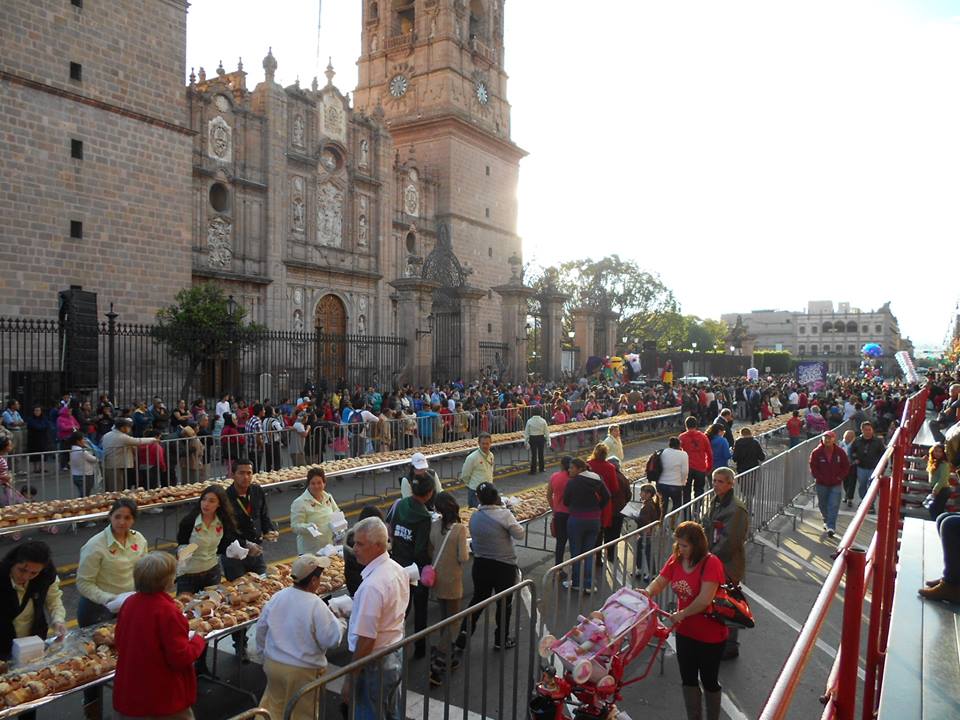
(872,350)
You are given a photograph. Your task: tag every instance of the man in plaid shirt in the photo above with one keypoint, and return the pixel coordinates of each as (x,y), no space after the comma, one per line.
(254,430)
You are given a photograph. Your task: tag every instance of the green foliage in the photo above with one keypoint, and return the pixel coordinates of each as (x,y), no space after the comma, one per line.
(612,284)
(199,327)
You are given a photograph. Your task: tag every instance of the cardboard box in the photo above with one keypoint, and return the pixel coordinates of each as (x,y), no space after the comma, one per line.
(27,649)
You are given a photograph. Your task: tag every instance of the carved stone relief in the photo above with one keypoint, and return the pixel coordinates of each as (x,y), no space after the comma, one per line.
(364,153)
(411,201)
(329,215)
(298,131)
(219,139)
(219,246)
(299,207)
(333,119)
(362,228)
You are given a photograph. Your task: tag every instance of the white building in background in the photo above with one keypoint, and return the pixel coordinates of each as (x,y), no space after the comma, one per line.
(824,332)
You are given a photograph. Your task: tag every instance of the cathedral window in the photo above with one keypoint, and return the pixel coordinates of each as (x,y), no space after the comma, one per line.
(76,149)
(219,197)
(76,230)
(411,242)
(478,16)
(373,13)
(76,71)
(77,3)
(405,16)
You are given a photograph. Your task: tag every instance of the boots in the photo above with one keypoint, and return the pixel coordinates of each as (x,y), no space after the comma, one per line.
(692,699)
(713,704)
(949,592)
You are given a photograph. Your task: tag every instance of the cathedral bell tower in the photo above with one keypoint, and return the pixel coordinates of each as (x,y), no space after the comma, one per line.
(433,69)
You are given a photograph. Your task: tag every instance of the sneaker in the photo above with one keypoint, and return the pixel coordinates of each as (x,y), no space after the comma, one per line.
(825,528)
(831,533)
(849,503)
(509,644)
(568,585)
(436,678)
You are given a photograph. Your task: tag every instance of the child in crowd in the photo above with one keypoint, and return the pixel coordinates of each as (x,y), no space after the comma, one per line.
(651,512)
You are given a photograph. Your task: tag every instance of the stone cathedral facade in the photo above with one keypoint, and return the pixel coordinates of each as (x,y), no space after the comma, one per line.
(389,213)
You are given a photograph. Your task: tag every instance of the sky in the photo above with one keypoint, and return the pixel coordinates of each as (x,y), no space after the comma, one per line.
(753,153)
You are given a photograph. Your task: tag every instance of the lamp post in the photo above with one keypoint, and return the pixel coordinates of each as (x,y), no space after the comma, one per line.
(694,346)
(231,343)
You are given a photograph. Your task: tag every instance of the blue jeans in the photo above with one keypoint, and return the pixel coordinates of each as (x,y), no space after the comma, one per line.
(367,691)
(948,525)
(828,498)
(794,441)
(582,535)
(472,500)
(863,480)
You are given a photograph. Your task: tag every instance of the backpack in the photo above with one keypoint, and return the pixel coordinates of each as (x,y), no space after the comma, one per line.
(655,466)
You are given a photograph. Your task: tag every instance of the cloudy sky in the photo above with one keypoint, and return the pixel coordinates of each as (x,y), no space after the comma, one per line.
(754,153)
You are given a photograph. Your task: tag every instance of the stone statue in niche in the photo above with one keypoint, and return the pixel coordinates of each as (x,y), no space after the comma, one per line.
(298,131)
(329,216)
(362,230)
(297,321)
(362,304)
(299,208)
(333,118)
(219,139)
(364,153)
(361,325)
(219,248)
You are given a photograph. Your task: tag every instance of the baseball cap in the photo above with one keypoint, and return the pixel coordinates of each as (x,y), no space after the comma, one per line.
(306,564)
(419,461)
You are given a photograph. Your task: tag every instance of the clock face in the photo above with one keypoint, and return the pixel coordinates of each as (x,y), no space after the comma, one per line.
(398,85)
(483,95)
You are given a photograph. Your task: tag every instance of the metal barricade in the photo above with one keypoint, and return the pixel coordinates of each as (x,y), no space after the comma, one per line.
(491,681)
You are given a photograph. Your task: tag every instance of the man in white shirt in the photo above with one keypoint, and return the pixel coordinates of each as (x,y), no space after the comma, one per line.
(296,439)
(613,442)
(793,400)
(676,467)
(536,435)
(294,631)
(222,407)
(377,621)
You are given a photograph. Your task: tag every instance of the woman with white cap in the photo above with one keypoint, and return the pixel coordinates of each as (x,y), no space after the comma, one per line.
(419,467)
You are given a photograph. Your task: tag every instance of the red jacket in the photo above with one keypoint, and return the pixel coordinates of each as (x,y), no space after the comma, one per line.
(697,446)
(829,471)
(607,473)
(155,674)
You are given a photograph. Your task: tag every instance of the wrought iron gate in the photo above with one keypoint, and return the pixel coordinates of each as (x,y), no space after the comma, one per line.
(442,266)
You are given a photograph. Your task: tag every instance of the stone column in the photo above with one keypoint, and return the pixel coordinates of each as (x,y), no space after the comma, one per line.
(414,302)
(551,304)
(513,304)
(584,322)
(470,332)
(612,323)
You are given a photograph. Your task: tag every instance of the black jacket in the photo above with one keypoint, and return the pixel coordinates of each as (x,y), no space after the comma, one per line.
(747,454)
(189,522)
(253,524)
(10,607)
(586,492)
(867,453)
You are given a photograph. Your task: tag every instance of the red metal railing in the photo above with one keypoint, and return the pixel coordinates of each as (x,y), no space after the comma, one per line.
(878,565)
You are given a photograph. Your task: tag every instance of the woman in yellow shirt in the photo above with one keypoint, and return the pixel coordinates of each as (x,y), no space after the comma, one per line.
(106,572)
(310,514)
(210,526)
(106,563)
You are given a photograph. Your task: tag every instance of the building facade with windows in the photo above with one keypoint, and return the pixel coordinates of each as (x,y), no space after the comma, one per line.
(825,332)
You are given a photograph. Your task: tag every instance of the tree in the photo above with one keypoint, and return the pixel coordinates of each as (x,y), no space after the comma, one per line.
(200,327)
(639,298)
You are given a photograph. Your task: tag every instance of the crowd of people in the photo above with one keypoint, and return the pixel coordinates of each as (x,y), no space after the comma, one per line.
(119,579)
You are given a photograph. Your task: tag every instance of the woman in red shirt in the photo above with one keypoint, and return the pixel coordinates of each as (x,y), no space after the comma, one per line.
(609,528)
(561,513)
(694,576)
(156,649)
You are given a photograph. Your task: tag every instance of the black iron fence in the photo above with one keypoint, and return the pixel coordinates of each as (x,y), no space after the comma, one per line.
(136,362)
(494,361)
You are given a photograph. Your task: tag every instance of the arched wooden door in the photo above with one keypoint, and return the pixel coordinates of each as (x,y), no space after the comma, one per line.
(331,354)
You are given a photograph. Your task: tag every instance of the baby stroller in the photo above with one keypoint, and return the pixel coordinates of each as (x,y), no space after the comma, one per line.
(591,659)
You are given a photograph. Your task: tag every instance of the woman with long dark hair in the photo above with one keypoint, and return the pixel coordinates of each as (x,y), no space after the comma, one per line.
(452,553)
(210,527)
(694,575)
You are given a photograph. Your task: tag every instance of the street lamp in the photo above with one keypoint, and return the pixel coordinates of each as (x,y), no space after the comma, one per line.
(231,306)
(571,334)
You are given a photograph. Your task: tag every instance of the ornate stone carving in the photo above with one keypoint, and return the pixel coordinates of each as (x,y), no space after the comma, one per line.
(362,325)
(298,296)
(411,201)
(364,153)
(333,119)
(329,215)
(298,131)
(298,205)
(219,244)
(297,321)
(219,139)
(362,230)
(362,304)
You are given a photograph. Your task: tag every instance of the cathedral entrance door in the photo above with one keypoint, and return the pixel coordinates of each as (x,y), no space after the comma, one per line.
(331,350)
(443,267)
